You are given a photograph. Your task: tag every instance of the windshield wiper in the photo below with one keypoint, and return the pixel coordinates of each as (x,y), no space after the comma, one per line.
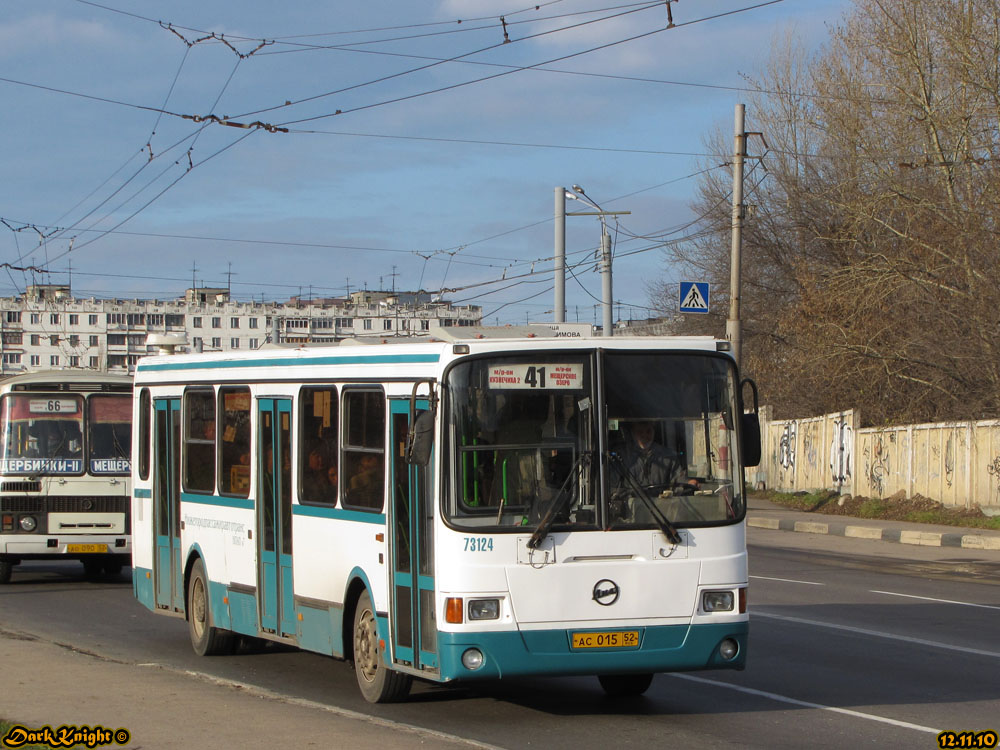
(542,530)
(668,529)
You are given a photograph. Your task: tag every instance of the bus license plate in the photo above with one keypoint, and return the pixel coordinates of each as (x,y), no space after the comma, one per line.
(613,639)
(86,548)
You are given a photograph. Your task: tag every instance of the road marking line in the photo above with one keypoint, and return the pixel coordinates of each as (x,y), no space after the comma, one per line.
(789,580)
(877,634)
(806,704)
(931,599)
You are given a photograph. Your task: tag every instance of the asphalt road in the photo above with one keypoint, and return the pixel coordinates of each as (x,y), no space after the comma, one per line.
(853,643)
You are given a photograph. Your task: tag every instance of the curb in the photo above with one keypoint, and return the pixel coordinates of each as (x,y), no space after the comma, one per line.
(901,536)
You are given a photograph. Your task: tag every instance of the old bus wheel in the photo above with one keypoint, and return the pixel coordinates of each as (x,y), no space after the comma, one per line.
(6,568)
(92,569)
(624,685)
(378,683)
(206,639)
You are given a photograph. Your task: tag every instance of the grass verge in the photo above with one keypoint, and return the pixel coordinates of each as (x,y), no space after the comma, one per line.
(916,509)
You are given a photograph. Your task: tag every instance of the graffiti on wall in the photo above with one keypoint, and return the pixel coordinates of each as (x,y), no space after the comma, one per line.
(994,471)
(842,452)
(949,459)
(786,447)
(877,464)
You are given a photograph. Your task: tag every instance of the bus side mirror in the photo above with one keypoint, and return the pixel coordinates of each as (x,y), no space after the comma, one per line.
(751,439)
(751,427)
(420,439)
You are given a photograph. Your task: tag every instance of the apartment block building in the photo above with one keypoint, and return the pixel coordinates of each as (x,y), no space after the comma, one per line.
(48,328)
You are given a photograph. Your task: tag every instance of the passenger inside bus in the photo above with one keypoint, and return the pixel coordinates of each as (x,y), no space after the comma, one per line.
(315,479)
(366,485)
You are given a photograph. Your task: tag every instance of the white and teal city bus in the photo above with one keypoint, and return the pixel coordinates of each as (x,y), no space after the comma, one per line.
(450,510)
(65,446)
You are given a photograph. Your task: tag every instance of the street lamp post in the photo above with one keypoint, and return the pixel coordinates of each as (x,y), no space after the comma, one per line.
(604,261)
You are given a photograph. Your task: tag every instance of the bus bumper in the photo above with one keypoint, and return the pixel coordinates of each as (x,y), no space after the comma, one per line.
(669,648)
(78,546)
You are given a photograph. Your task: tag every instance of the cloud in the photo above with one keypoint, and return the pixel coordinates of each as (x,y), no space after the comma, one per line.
(49,30)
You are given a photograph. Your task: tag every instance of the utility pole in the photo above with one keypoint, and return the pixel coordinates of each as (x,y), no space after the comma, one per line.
(560,256)
(733,323)
(603,260)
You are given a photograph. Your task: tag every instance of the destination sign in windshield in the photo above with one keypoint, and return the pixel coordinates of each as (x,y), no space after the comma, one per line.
(549,376)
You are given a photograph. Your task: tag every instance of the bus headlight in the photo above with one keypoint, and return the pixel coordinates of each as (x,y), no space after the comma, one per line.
(28,523)
(472,659)
(728,649)
(717,601)
(484,609)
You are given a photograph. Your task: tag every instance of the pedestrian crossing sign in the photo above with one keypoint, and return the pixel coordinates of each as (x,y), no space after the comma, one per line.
(694,297)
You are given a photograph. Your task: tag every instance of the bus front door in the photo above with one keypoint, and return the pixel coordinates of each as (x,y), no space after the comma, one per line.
(414,628)
(168,573)
(274,517)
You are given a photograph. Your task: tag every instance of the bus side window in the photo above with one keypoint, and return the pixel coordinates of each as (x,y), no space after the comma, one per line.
(364,449)
(199,440)
(234,458)
(318,466)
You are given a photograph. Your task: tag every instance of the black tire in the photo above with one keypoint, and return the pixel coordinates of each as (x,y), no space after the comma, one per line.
(378,683)
(6,570)
(206,639)
(92,569)
(625,685)
(113,568)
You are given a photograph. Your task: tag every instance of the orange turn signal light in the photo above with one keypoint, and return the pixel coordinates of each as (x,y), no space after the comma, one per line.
(453,607)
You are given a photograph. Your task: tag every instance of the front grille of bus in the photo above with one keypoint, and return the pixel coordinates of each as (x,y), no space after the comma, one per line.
(26,486)
(67,504)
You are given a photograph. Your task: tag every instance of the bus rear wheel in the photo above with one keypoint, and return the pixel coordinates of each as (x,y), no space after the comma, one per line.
(625,685)
(378,683)
(6,569)
(206,639)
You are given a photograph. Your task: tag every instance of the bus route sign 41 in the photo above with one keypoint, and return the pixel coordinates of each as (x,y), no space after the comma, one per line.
(693,297)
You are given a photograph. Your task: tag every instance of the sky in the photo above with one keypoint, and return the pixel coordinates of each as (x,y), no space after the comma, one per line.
(319,147)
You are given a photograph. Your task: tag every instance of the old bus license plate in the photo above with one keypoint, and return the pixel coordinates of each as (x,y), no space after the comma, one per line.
(87,548)
(613,639)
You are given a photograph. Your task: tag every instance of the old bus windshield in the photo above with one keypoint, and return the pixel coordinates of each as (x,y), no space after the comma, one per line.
(531,437)
(109,433)
(41,433)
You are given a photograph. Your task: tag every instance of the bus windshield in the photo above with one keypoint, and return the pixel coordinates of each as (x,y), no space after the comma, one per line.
(41,433)
(109,433)
(531,437)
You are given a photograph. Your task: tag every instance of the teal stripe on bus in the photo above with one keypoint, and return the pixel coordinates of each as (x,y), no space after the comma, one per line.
(371,359)
(223,502)
(340,513)
(142,493)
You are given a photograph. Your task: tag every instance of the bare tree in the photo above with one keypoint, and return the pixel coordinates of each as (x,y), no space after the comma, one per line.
(871,275)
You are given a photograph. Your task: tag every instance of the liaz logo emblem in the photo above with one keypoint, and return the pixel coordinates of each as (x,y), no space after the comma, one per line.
(606,592)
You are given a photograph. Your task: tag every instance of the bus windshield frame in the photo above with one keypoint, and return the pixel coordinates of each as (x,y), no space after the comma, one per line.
(552,439)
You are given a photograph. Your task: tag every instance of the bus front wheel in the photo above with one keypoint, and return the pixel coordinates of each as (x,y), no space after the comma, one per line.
(625,685)
(206,639)
(378,683)
(6,569)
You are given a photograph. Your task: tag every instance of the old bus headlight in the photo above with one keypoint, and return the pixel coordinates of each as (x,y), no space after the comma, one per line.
(717,601)
(28,523)
(484,609)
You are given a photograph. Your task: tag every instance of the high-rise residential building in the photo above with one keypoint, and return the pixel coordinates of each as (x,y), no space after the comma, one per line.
(47,327)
